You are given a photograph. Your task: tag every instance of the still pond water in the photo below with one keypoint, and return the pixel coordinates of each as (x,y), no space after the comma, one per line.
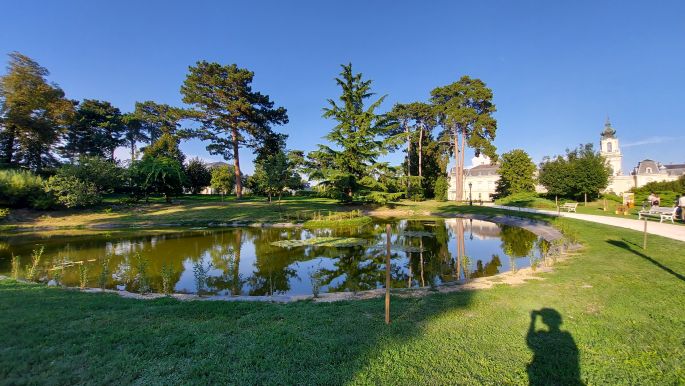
(290,261)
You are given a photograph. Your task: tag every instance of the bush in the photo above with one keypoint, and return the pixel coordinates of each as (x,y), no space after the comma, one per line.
(526,200)
(72,192)
(21,188)
(104,174)
(307,193)
(612,197)
(440,189)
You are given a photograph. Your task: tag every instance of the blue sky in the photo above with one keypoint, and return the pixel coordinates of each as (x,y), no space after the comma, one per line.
(557,69)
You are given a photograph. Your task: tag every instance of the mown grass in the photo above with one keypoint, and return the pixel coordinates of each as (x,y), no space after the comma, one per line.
(622,308)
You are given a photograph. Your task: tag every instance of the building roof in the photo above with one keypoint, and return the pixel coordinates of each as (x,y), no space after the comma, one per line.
(609,132)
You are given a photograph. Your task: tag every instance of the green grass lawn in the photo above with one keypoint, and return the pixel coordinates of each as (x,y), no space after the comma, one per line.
(622,311)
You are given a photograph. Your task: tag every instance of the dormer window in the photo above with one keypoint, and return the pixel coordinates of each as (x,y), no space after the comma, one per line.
(648,170)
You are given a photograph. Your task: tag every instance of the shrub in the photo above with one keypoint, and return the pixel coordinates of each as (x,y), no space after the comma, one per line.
(83,275)
(21,188)
(198,175)
(32,270)
(72,192)
(612,197)
(104,174)
(440,189)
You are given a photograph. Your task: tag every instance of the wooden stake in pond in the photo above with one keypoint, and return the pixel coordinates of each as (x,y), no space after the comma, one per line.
(644,240)
(387,274)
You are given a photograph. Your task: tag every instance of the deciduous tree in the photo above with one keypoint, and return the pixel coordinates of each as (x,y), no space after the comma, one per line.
(516,173)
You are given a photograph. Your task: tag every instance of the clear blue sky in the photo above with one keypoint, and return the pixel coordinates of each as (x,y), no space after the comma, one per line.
(557,69)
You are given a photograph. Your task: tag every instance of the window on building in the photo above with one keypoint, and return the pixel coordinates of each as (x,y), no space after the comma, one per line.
(609,147)
(648,170)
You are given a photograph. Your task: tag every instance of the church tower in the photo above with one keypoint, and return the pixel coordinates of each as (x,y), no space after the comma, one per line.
(608,148)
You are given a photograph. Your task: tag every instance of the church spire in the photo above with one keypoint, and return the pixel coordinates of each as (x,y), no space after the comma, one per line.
(609,132)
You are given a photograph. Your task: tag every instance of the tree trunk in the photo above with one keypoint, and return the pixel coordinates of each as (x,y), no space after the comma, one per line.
(421,151)
(133,151)
(406,130)
(461,158)
(236,166)
(8,146)
(458,170)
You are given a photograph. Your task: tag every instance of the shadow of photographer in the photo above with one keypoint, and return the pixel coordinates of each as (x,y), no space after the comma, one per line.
(555,354)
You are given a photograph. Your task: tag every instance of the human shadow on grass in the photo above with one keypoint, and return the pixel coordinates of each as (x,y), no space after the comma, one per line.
(626,245)
(555,354)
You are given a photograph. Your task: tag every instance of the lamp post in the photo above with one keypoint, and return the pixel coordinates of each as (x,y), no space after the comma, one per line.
(470,200)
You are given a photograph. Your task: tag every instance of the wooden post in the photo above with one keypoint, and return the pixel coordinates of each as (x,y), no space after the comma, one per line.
(644,240)
(387,275)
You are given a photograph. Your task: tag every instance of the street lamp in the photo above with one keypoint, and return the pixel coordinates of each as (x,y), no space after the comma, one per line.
(470,200)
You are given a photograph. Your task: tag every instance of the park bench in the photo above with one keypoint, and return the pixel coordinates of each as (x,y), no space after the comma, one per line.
(570,206)
(663,213)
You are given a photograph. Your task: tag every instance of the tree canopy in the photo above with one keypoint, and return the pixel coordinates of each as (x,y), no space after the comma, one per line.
(231,113)
(464,109)
(516,172)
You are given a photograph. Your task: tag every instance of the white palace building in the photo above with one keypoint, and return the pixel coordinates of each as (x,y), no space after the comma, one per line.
(483,176)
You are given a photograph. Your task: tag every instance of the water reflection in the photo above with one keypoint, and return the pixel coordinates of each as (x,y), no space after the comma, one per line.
(244,261)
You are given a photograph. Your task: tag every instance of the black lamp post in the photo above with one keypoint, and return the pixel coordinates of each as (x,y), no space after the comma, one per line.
(470,200)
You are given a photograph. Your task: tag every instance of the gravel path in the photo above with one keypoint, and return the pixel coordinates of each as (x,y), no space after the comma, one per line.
(671,231)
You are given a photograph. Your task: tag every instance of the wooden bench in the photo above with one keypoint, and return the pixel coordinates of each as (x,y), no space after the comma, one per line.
(570,206)
(663,213)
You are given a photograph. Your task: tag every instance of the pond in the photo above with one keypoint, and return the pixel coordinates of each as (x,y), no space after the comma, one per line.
(283,261)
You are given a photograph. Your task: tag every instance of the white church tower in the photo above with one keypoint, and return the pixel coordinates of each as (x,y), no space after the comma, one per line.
(609,149)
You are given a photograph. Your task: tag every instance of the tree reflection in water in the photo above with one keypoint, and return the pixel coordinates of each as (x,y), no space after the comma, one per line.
(425,253)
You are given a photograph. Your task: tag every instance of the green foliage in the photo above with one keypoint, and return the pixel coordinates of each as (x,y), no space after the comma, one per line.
(323,241)
(154,175)
(231,113)
(96,130)
(167,274)
(342,223)
(72,192)
(526,200)
(440,189)
(464,109)
(667,191)
(22,188)
(165,146)
(582,171)
(273,174)
(142,276)
(33,113)
(201,274)
(357,135)
(16,267)
(156,119)
(83,275)
(612,197)
(103,277)
(32,269)
(199,176)
(516,172)
(223,179)
(104,174)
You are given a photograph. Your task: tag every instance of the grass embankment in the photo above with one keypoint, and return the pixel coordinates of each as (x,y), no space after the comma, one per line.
(622,311)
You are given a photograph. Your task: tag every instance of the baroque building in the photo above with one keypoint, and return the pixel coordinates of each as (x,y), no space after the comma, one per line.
(480,180)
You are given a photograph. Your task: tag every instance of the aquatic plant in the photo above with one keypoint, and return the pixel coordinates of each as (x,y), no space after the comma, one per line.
(83,275)
(201,273)
(32,269)
(104,272)
(316,277)
(15,267)
(142,263)
(339,242)
(167,276)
